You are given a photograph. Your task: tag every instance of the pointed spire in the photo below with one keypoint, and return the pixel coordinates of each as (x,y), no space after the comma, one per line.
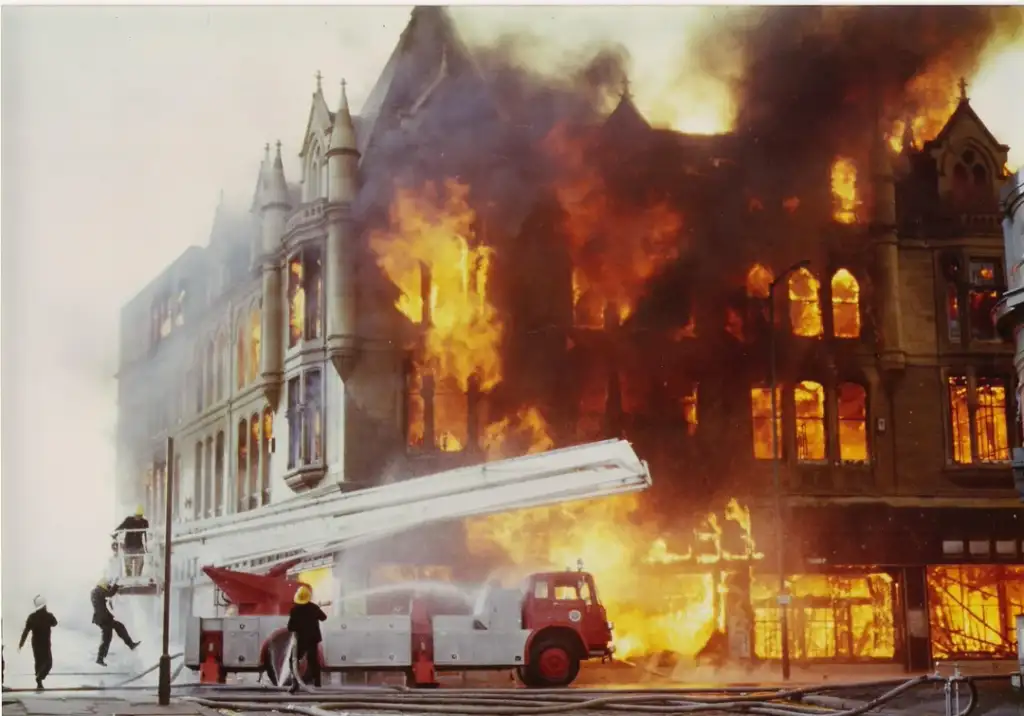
(319,78)
(962,84)
(343,135)
(276,190)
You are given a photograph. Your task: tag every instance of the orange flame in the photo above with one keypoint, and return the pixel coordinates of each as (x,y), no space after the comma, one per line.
(844,191)
(614,248)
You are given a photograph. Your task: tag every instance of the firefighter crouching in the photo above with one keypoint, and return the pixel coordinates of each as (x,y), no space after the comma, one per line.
(304,624)
(134,528)
(104,619)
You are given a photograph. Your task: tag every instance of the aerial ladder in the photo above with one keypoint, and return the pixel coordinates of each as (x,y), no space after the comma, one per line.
(329,521)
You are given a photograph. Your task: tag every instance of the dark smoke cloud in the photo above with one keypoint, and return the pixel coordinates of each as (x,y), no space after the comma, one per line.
(813,78)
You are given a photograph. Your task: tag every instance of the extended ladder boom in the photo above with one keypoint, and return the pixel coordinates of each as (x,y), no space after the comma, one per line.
(343,519)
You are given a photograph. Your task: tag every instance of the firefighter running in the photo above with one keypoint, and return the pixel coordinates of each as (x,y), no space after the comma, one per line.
(40,623)
(104,619)
(304,624)
(134,527)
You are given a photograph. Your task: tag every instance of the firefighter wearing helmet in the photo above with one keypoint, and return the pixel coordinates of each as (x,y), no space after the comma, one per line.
(134,529)
(304,624)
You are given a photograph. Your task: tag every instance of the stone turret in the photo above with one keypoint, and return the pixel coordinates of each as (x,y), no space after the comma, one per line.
(274,209)
(342,236)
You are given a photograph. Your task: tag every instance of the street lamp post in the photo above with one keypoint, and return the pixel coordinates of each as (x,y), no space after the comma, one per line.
(780,533)
(164,685)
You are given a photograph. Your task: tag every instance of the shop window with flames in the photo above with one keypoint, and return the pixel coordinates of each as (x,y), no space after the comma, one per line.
(305,296)
(836,617)
(978,435)
(761,417)
(845,305)
(804,307)
(809,398)
(973,610)
(983,292)
(305,420)
(852,413)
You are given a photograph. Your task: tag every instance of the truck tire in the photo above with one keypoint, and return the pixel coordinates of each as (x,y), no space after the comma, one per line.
(553,663)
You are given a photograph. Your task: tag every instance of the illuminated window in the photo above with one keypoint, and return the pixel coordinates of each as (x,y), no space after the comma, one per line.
(253,362)
(851,403)
(305,296)
(242,466)
(804,309)
(982,295)
(254,460)
(809,398)
(953,313)
(268,433)
(845,305)
(761,417)
(241,351)
(690,415)
(982,436)
(759,281)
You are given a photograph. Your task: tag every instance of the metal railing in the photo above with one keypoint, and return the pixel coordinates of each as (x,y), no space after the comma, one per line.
(137,563)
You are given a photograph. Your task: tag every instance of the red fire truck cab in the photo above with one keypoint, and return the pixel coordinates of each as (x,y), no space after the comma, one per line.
(544,630)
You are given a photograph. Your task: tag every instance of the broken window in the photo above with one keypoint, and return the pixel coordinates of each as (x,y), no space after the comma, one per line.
(852,409)
(804,309)
(990,421)
(268,433)
(761,417)
(242,500)
(982,296)
(759,282)
(689,404)
(809,399)
(241,350)
(218,475)
(845,305)
(253,360)
(960,420)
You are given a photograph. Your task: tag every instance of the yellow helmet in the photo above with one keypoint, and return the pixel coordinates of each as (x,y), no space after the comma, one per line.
(303,595)
(104,582)
(139,511)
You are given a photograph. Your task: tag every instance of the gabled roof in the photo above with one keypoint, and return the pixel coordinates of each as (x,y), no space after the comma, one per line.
(626,120)
(965,113)
(320,120)
(428,47)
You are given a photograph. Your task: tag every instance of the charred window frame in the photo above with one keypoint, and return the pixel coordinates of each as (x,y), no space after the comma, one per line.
(970,288)
(805,317)
(809,417)
(852,411)
(305,295)
(978,418)
(761,417)
(846,311)
(972,189)
(305,419)
(241,465)
(690,404)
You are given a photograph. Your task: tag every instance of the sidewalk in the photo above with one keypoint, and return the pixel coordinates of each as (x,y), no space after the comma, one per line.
(45,705)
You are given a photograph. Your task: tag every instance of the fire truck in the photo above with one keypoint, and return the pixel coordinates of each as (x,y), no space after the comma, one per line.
(543,630)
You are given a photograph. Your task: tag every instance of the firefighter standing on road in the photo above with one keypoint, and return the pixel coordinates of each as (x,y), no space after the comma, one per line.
(134,541)
(39,623)
(104,619)
(304,624)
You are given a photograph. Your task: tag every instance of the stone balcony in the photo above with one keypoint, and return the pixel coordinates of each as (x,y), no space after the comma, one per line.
(308,213)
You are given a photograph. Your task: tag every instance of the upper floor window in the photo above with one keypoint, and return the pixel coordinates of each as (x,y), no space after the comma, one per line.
(845,305)
(305,419)
(761,417)
(305,296)
(972,183)
(316,187)
(983,293)
(978,420)
(852,414)
(809,398)
(804,308)
(689,405)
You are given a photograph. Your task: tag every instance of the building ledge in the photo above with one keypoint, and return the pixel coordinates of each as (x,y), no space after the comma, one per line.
(300,479)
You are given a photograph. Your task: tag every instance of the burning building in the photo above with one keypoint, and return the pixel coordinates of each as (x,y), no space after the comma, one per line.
(481,263)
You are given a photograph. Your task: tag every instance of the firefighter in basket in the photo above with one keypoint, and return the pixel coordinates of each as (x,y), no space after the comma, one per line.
(104,619)
(304,624)
(134,529)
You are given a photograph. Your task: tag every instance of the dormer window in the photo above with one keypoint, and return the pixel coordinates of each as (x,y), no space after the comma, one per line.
(316,185)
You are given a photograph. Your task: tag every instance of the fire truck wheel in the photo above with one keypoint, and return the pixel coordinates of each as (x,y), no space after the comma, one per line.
(553,663)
